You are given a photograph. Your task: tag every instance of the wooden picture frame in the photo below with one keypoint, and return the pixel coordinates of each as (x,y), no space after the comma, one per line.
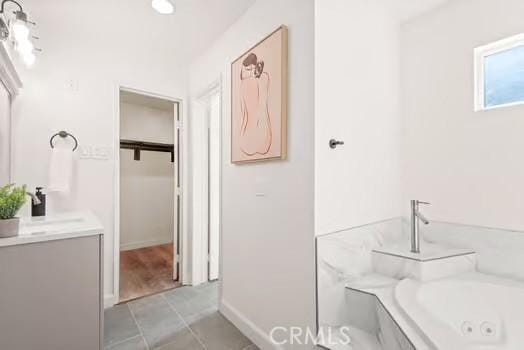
(259,100)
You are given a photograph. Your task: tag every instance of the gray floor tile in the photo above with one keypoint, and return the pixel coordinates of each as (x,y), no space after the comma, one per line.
(251,347)
(194,318)
(207,290)
(158,322)
(194,303)
(161,327)
(136,343)
(182,293)
(211,286)
(185,341)
(217,333)
(119,325)
(206,297)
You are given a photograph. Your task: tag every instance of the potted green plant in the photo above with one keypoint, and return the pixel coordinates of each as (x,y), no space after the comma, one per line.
(12,198)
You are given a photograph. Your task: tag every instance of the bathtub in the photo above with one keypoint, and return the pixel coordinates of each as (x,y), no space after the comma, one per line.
(472,311)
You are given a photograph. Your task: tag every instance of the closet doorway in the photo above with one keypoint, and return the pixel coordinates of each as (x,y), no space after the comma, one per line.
(149,177)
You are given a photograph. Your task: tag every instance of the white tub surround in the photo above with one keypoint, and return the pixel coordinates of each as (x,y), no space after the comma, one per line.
(469,312)
(428,251)
(55,227)
(465,276)
(499,251)
(352,295)
(372,302)
(434,262)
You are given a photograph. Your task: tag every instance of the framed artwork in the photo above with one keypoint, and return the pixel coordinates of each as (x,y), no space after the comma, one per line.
(259,101)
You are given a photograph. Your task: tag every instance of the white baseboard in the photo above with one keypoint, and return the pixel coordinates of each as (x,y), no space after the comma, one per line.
(143,244)
(109,300)
(250,330)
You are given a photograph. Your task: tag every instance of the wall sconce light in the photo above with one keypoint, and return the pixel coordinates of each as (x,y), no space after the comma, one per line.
(17,29)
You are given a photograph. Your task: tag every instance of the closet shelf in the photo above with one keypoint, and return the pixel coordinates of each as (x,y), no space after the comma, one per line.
(139,146)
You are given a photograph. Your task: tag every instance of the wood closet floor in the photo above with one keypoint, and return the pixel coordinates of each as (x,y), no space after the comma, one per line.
(146,271)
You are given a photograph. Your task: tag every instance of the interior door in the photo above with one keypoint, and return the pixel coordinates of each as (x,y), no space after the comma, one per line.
(178,193)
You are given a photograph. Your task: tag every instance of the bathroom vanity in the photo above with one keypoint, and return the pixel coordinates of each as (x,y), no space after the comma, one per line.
(51,283)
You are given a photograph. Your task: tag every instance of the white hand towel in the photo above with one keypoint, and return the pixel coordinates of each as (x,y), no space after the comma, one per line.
(60,170)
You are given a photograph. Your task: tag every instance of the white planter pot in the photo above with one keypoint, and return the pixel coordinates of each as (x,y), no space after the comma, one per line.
(9,228)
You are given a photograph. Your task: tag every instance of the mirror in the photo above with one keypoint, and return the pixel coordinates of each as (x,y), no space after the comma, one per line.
(5,135)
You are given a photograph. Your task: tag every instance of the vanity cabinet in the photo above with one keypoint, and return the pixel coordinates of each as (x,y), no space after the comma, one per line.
(51,295)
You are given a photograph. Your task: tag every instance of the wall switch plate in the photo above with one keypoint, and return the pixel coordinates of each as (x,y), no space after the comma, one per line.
(70,85)
(261,187)
(73,85)
(94,152)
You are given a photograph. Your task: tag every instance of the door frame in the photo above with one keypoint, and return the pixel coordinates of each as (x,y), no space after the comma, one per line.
(182,175)
(201,252)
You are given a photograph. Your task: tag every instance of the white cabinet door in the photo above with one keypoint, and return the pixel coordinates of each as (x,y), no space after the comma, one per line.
(51,295)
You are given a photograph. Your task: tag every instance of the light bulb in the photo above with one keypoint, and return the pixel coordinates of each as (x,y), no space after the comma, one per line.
(163,7)
(24,47)
(20,30)
(29,59)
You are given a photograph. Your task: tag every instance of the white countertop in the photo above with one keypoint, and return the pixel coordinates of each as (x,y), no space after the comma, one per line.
(54,227)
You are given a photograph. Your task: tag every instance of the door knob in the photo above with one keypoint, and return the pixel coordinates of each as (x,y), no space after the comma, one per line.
(334,143)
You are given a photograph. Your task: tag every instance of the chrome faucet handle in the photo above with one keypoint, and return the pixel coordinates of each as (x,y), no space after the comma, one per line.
(425,203)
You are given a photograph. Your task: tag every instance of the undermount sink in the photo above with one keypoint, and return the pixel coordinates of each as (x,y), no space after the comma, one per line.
(48,224)
(43,221)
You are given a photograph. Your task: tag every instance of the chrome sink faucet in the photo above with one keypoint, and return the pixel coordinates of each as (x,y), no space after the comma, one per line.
(34,198)
(416,216)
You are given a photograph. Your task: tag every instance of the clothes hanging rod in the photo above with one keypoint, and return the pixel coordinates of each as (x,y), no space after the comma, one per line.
(138,146)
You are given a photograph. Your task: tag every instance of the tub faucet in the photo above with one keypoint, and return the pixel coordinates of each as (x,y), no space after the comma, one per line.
(416,216)
(35,199)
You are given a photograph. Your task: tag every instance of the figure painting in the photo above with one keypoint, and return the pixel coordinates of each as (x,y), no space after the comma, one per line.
(259,101)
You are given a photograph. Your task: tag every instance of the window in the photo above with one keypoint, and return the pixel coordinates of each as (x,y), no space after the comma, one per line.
(499,74)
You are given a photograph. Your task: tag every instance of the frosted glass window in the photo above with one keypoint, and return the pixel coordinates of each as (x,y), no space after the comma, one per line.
(504,77)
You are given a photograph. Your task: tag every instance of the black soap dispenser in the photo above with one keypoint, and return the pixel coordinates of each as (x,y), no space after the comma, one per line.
(39,209)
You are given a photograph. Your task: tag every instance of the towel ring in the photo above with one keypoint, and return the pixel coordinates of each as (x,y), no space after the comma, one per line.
(63,134)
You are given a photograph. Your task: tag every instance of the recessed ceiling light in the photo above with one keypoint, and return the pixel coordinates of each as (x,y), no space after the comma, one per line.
(164,7)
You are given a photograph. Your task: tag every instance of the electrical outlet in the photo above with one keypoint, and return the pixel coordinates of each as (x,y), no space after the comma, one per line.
(71,85)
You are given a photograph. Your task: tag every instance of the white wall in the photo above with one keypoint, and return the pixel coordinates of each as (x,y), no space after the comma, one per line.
(110,48)
(357,101)
(267,242)
(144,123)
(146,186)
(468,164)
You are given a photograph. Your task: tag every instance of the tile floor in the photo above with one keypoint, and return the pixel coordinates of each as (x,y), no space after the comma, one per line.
(185,318)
